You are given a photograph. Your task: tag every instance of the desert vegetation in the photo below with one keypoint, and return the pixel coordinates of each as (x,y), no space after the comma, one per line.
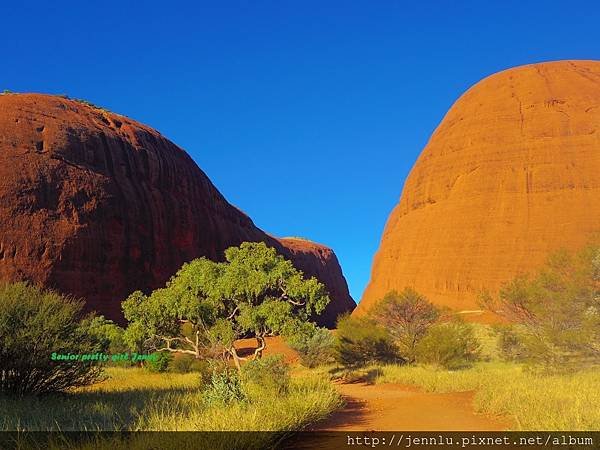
(537,368)
(207,306)
(405,328)
(554,315)
(35,326)
(188,374)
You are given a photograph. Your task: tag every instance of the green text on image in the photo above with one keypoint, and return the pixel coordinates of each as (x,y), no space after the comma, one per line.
(102,357)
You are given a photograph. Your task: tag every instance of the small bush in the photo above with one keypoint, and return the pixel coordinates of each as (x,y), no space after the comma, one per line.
(360,342)
(270,373)
(34,325)
(160,364)
(315,346)
(449,345)
(187,364)
(224,388)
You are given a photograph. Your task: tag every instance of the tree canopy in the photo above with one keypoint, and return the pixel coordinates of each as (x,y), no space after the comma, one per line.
(207,305)
(407,316)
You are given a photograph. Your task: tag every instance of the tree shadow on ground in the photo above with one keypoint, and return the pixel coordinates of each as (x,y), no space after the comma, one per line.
(90,410)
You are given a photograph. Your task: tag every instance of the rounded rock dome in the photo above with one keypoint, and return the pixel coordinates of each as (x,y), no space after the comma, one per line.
(510,175)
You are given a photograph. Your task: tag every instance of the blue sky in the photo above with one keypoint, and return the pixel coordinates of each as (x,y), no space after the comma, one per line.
(306,115)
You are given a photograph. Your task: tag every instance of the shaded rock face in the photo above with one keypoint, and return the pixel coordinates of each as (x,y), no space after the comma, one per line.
(96,205)
(321,262)
(510,175)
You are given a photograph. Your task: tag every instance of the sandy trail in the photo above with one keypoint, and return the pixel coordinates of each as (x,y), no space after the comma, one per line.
(394,407)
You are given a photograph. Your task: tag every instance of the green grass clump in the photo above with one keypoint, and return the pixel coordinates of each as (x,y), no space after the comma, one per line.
(534,401)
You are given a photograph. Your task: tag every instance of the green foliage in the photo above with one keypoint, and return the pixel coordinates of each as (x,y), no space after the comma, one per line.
(160,364)
(35,323)
(270,373)
(108,333)
(449,345)
(557,311)
(360,341)
(225,387)
(255,291)
(314,345)
(7,91)
(407,316)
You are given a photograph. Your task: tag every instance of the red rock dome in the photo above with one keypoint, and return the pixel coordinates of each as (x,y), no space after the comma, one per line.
(510,175)
(97,205)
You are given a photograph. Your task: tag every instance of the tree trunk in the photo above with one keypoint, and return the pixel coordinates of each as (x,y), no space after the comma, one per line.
(236,359)
(262,344)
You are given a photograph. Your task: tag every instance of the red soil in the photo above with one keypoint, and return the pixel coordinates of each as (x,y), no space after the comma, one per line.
(393,407)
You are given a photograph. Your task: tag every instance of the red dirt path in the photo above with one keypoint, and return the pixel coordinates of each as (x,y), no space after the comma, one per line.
(393,407)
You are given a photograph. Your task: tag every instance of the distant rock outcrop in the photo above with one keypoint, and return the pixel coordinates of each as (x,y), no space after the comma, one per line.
(321,262)
(97,205)
(511,174)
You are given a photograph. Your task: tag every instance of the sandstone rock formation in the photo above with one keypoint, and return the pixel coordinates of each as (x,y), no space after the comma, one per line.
(510,175)
(321,262)
(97,205)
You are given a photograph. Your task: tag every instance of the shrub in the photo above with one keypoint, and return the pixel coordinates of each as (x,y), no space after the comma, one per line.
(270,373)
(159,364)
(187,364)
(449,345)
(224,388)
(360,342)
(557,311)
(407,316)
(34,325)
(314,345)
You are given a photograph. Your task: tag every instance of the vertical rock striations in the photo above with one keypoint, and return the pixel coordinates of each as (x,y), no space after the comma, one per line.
(97,205)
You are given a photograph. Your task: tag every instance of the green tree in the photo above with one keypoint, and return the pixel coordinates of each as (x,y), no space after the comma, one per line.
(407,316)
(34,325)
(208,305)
(108,333)
(556,312)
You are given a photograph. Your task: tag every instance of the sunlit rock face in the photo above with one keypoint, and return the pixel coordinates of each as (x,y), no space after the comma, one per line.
(96,205)
(511,174)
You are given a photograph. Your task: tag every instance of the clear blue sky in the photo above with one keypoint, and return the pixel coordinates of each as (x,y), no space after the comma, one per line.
(307,115)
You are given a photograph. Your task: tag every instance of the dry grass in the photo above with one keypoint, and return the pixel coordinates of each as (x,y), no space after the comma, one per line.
(133,400)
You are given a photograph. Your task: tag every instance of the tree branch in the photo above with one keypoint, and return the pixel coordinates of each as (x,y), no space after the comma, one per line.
(176,350)
(232,315)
